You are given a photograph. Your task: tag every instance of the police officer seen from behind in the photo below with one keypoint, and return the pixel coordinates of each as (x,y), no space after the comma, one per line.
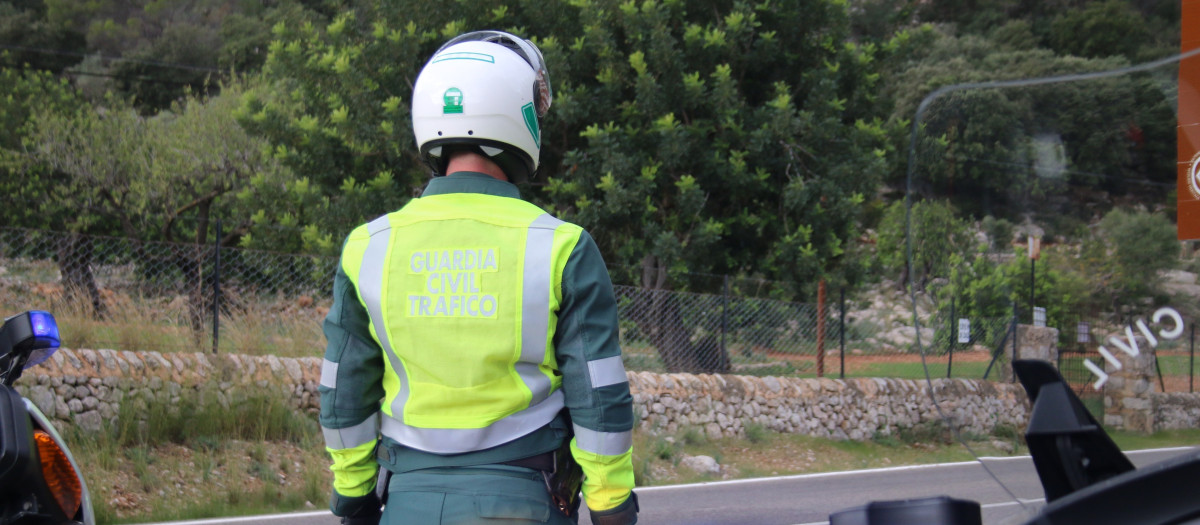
(472,343)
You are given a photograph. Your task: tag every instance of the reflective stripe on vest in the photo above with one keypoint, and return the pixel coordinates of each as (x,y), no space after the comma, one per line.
(458,440)
(370,287)
(535,305)
(535,317)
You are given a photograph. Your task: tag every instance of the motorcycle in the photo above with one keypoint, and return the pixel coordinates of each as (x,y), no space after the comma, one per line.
(40,481)
(1086,477)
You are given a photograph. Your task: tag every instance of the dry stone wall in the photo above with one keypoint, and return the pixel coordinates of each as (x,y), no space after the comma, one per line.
(1175,410)
(88,387)
(1132,400)
(856,409)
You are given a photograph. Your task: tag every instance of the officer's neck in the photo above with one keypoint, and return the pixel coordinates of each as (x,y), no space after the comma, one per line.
(471,161)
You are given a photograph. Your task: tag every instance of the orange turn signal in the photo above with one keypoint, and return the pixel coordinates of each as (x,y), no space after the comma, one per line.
(60,476)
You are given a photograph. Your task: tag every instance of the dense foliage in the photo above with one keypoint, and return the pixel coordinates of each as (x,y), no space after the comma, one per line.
(760,139)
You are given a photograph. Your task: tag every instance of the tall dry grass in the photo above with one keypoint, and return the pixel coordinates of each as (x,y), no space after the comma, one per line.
(285,327)
(206,454)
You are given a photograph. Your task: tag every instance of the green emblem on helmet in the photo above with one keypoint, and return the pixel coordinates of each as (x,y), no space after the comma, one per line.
(453,100)
(531,122)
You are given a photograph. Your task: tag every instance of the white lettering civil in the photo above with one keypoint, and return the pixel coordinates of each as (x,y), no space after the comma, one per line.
(1130,344)
(451,282)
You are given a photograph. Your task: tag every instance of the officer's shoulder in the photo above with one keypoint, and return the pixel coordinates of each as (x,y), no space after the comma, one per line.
(360,234)
(567,225)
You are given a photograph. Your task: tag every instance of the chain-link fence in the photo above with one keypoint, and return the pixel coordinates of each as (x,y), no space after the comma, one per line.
(691,332)
(1176,362)
(136,295)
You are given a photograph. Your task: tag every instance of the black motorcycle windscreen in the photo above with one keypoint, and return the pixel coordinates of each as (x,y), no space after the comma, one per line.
(1041,197)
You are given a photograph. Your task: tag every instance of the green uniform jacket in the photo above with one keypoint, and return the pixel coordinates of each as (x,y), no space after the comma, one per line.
(586,371)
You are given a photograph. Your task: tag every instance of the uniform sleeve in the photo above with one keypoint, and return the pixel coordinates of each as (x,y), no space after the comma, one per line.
(351,388)
(594,382)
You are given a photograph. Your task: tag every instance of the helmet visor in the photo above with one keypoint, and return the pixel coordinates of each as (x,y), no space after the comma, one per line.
(542,95)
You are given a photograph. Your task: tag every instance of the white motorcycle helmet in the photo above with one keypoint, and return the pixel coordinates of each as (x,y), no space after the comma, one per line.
(483,91)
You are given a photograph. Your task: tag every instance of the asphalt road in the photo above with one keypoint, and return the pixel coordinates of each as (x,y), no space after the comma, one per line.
(809,499)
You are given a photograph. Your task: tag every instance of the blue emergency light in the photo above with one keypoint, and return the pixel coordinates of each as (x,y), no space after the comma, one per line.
(45,329)
(45,339)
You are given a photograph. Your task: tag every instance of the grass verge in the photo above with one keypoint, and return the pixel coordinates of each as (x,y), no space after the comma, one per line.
(204,457)
(278,467)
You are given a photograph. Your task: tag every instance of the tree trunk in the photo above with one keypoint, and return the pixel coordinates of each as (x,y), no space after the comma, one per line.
(663,321)
(190,261)
(667,333)
(75,264)
(186,259)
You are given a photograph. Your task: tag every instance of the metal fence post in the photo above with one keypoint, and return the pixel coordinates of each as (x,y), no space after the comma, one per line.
(953,331)
(842,331)
(1192,359)
(1157,366)
(1058,359)
(724,312)
(1015,321)
(1032,284)
(217,289)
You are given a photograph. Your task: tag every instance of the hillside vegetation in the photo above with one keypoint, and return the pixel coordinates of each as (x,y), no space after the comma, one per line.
(765,140)
(737,138)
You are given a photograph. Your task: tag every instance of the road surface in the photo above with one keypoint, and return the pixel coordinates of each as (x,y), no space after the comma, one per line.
(808,499)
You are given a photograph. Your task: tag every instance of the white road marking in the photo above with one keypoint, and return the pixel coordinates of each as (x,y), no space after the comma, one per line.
(294,515)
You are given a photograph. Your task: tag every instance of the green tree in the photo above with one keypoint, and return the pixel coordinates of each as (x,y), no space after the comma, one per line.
(246,35)
(23,93)
(162,178)
(1004,151)
(970,16)
(158,51)
(201,159)
(1139,30)
(95,158)
(987,285)
(34,41)
(1101,29)
(1125,255)
(718,143)
(711,137)
(878,20)
(938,239)
(999,232)
(334,104)
(102,153)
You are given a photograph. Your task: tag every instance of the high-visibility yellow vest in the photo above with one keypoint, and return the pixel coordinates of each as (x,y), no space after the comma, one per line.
(462,292)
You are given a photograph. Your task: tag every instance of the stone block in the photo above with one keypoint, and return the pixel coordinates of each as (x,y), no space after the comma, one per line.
(90,421)
(1037,343)
(1136,403)
(712,430)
